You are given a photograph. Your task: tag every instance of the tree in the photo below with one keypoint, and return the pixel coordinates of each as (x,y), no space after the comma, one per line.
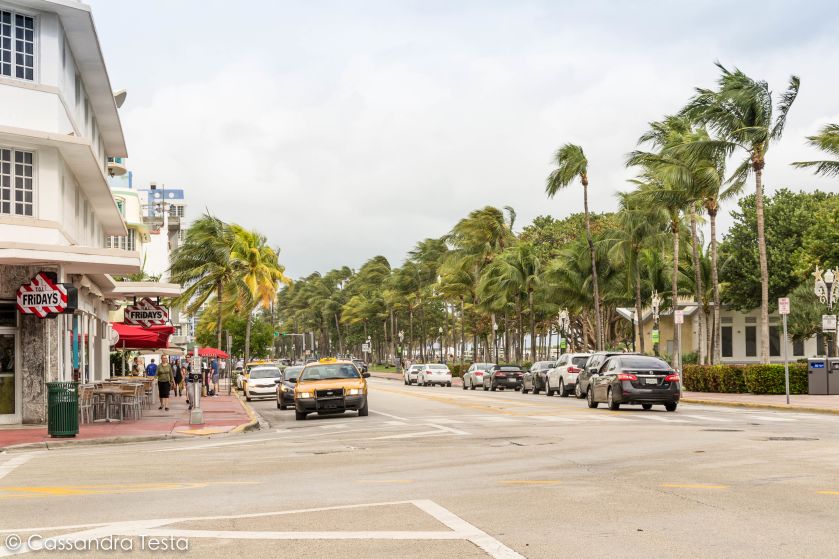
(203,266)
(826,140)
(740,112)
(571,164)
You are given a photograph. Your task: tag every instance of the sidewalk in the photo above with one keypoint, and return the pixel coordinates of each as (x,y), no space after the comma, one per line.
(222,414)
(797,402)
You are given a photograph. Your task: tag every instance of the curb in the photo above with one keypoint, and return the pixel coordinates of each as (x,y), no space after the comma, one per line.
(251,425)
(757,405)
(59,443)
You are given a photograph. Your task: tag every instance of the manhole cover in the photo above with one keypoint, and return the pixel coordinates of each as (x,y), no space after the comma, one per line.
(724,430)
(791,439)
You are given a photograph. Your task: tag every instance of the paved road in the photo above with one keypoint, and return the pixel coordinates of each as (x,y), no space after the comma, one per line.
(441,472)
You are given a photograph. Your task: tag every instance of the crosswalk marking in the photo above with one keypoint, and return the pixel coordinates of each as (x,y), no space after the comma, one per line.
(659,418)
(770,418)
(704,418)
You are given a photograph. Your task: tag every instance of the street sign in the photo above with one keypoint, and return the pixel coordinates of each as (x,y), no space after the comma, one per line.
(276,334)
(436,345)
(783,305)
(365,348)
(828,322)
(656,335)
(146,313)
(563,343)
(678,317)
(44,297)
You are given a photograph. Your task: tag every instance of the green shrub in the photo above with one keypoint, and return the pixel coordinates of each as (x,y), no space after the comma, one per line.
(457,369)
(714,378)
(769,379)
(690,358)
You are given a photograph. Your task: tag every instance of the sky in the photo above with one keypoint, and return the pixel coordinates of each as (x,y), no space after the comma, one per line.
(346,130)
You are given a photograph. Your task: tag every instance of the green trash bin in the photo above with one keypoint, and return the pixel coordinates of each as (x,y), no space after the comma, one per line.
(63,409)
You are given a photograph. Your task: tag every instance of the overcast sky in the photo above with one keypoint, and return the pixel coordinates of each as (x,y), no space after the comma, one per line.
(343,130)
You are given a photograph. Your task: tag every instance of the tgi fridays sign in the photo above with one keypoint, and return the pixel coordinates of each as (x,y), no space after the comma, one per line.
(146,313)
(44,297)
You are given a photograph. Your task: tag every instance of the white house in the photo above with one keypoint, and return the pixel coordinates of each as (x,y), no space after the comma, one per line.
(59,124)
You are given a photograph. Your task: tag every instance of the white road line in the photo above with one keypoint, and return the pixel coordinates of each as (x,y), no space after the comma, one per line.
(704,418)
(597,417)
(554,418)
(334,426)
(395,423)
(388,415)
(448,429)
(9,465)
(662,419)
(773,418)
(490,545)
(436,432)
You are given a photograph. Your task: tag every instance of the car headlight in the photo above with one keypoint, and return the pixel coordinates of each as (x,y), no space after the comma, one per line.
(304,394)
(353,392)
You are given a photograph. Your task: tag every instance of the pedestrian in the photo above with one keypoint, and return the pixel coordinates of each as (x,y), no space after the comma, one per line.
(214,371)
(135,367)
(179,378)
(164,382)
(151,370)
(188,381)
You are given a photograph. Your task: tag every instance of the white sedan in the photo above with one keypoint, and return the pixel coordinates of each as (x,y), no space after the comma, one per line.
(262,382)
(563,377)
(434,373)
(411,375)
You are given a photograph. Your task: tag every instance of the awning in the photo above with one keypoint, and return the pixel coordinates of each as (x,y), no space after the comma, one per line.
(137,337)
(212,352)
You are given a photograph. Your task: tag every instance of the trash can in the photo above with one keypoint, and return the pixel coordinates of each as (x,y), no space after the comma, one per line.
(833,375)
(817,376)
(63,409)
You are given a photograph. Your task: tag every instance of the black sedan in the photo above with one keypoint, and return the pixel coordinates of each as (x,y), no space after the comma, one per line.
(634,379)
(536,378)
(504,376)
(360,365)
(592,367)
(285,388)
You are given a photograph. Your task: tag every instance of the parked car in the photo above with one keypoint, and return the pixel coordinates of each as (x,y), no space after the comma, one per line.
(262,382)
(411,374)
(434,373)
(536,378)
(563,378)
(285,389)
(360,365)
(504,376)
(592,367)
(474,375)
(634,379)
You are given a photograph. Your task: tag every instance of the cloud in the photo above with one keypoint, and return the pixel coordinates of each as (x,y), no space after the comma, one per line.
(345,133)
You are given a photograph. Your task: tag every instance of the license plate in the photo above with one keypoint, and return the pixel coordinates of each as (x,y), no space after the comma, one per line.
(652,381)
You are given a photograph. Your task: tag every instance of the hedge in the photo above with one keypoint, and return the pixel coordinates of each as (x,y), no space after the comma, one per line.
(757,379)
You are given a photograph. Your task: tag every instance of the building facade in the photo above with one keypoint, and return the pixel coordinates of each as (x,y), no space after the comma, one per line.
(59,125)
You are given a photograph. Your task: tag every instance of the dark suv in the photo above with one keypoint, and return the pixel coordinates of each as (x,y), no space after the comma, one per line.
(592,367)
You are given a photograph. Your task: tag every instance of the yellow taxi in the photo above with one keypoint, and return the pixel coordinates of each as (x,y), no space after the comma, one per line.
(330,386)
(242,379)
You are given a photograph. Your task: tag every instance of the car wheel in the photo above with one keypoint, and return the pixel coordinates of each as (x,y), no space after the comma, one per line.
(299,415)
(563,393)
(614,406)
(471,385)
(365,410)
(578,392)
(448,385)
(671,406)
(279,405)
(548,391)
(535,387)
(647,406)
(590,398)
(283,407)
(464,385)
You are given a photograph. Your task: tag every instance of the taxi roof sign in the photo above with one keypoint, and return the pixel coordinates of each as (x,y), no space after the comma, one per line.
(328,360)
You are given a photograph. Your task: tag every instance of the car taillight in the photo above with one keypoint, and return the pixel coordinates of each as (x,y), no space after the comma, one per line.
(574,370)
(673,377)
(427,371)
(627,376)
(479,373)
(500,374)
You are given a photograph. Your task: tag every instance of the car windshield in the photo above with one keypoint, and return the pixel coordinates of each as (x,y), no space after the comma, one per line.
(438,367)
(579,361)
(513,369)
(265,372)
(484,366)
(641,362)
(416,367)
(291,373)
(331,371)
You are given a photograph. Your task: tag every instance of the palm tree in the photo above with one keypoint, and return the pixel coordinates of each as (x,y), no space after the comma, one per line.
(740,112)
(826,140)
(203,266)
(571,163)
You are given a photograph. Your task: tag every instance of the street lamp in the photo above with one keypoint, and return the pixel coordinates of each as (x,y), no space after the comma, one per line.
(440,331)
(401,352)
(827,291)
(655,303)
(495,338)
(564,325)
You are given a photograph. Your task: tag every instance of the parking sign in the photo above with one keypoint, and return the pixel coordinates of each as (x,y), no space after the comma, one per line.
(783,305)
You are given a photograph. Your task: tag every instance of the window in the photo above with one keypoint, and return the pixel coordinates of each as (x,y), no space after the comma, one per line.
(176,211)
(16,182)
(121,205)
(727,342)
(751,341)
(774,341)
(123,242)
(17,45)
(798,348)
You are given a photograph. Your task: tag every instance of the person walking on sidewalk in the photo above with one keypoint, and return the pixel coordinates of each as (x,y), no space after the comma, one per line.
(164,383)
(214,371)
(151,370)
(179,378)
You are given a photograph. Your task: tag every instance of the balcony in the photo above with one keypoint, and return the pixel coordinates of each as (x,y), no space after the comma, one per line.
(116,166)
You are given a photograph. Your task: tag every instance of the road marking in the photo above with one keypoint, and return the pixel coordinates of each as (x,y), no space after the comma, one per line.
(213,445)
(103,489)
(385,481)
(828,492)
(334,426)
(436,432)
(556,418)
(388,415)
(662,419)
(9,465)
(529,482)
(395,423)
(704,418)
(692,486)
(451,430)
(773,418)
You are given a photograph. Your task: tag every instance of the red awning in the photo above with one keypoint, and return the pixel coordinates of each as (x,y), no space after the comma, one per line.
(137,337)
(212,352)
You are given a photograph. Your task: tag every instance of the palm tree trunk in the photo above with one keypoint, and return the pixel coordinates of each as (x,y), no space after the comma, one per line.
(219,290)
(520,355)
(594,278)
(675,294)
(462,331)
(532,326)
(764,268)
(639,330)
(697,284)
(411,333)
(338,329)
(584,322)
(715,280)
(422,332)
(506,337)
(247,338)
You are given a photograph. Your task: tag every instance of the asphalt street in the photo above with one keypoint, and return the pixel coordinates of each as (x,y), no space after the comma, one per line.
(442,472)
